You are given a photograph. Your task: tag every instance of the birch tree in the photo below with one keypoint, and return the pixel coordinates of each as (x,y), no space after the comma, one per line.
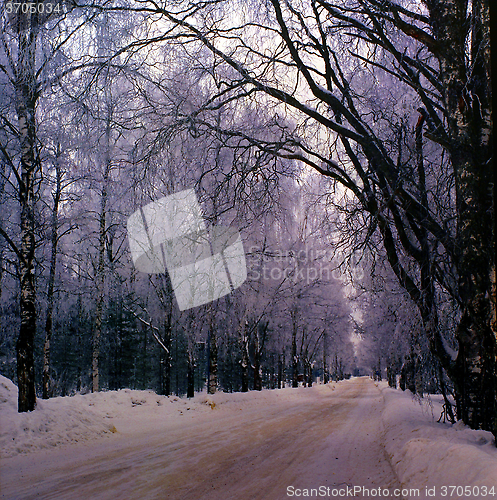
(20,45)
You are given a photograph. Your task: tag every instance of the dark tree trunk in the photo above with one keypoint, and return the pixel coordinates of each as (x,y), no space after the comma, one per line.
(3,180)
(469,124)
(392,369)
(280,372)
(51,279)
(79,340)
(244,362)
(408,375)
(167,359)
(402,380)
(212,382)
(309,375)
(245,374)
(257,375)
(100,274)
(295,360)
(257,364)
(144,361)
(26,98)
(325,351)
(190,392)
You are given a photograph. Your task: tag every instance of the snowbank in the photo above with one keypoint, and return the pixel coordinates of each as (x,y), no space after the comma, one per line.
(54,422)
(79,418)
(425,453)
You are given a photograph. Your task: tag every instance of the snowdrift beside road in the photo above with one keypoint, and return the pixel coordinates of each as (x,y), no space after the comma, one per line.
(54,422)
(80,418)
(424,452)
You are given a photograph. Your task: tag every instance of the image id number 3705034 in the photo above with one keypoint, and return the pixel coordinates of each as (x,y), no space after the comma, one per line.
(467,491)
(32,7)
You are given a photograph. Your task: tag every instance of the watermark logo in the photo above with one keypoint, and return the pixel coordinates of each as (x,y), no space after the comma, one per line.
(171,234)
(306,266)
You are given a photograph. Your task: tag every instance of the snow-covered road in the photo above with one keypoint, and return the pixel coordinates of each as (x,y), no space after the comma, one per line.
(327,436)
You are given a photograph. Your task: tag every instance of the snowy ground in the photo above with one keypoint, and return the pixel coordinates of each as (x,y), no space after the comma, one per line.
(337,440)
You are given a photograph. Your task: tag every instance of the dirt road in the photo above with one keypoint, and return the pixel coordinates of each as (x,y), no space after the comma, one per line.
(332,440)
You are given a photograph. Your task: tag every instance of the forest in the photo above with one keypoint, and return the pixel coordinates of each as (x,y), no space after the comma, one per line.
(348,142)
